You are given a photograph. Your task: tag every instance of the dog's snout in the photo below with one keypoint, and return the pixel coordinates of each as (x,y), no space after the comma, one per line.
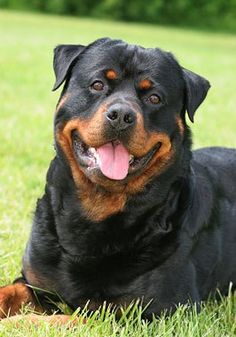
(120,116)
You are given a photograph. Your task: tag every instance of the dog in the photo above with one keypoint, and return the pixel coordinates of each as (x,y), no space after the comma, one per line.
(129,211)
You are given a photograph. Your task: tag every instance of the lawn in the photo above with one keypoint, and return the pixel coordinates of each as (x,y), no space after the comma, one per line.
(26,145)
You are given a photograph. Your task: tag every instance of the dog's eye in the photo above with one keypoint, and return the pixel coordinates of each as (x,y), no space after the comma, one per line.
(98,86)
(154,99)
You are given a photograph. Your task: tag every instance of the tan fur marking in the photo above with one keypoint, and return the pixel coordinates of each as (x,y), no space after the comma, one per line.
(143,141)
(155,167)
(111,74)
(90,130)
(145,84)
(99,206)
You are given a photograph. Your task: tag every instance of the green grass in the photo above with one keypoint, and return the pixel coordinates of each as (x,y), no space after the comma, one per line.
(26,145)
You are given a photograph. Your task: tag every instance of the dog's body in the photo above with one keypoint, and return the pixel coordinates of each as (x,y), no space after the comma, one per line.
(156,224)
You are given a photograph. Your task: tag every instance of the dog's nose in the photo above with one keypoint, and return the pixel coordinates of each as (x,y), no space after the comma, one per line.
(120,117)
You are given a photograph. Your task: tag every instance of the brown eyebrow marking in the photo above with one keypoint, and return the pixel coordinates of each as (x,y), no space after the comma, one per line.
(145,84)
(111,74)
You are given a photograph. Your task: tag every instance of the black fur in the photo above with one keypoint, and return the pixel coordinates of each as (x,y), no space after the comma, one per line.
(176,239)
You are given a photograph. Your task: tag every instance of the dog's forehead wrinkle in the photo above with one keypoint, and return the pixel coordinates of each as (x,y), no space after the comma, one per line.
(122,56)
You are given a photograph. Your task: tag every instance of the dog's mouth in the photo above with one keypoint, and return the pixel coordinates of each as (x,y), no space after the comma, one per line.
(112,158)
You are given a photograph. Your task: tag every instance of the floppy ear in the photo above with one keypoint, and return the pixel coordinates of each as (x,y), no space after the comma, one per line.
(196,90)
(64,57)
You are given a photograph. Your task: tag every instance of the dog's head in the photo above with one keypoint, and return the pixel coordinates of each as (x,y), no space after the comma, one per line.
(121,115)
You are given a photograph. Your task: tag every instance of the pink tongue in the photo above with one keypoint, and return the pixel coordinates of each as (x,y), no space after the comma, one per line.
(113,161)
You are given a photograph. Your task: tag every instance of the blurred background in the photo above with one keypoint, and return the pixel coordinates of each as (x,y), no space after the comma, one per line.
(201,34)
(217,14)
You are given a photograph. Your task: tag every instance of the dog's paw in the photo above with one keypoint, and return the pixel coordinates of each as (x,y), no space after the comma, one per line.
(12,298)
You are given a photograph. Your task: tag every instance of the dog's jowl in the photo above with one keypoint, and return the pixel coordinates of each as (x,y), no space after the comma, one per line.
(129,211)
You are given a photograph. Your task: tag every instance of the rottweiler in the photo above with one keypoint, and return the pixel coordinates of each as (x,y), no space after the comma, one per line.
(129,211)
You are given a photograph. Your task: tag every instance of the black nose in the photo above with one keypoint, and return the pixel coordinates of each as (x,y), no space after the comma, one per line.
(120,116)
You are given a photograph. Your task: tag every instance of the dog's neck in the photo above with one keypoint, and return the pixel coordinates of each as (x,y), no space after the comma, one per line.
(157,209)
(155,224)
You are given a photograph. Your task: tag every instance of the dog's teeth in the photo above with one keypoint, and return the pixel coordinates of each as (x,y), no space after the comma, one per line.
(93,154)
(92,150)
(131,159)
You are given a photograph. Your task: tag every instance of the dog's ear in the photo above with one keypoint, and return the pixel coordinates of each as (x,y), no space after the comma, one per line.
(196,88)
(64,57)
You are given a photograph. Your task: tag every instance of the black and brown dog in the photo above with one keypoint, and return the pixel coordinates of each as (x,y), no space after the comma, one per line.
(129,211)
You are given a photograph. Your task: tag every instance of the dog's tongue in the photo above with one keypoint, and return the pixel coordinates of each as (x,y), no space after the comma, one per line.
(113,161)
